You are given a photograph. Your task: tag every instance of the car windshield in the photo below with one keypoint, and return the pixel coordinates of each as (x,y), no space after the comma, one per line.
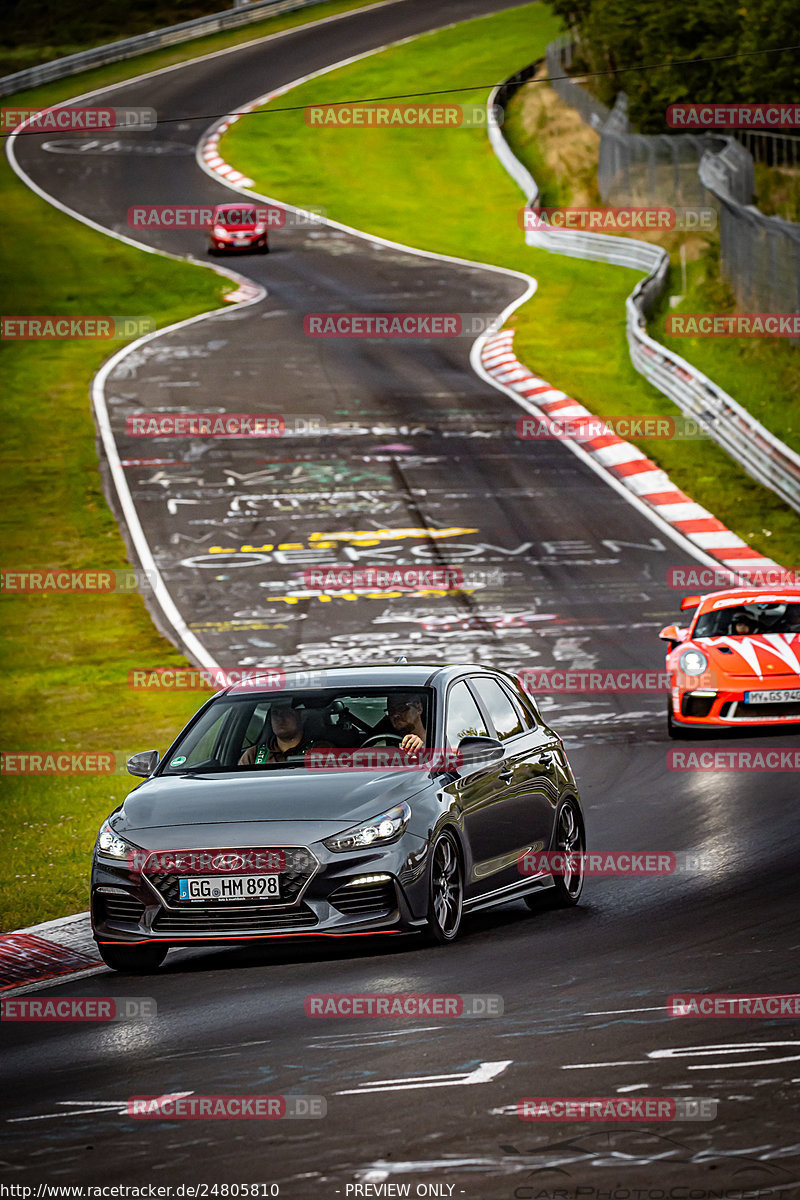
(741,620)
(253,733)
(235,217)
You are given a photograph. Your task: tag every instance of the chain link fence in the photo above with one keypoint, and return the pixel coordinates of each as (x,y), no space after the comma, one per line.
(558,57)
(727,422)
(759,255)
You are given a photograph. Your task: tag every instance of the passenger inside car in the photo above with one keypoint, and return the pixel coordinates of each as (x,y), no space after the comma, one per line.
(284,735)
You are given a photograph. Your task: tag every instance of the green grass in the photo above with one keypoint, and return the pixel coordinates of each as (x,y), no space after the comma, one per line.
(763,374)
(444,190)
(66,658)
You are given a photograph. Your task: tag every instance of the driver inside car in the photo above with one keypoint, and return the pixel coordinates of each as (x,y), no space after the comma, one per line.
(742,624)
(404,710)
(288,737)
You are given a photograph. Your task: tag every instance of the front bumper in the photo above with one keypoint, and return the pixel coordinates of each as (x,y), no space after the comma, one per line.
(323,895)
(259,242)
(727,708)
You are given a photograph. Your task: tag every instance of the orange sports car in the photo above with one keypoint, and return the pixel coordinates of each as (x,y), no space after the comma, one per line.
(737,662)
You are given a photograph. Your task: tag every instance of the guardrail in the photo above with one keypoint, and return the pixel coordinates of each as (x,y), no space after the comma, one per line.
(767,459)
(170,35)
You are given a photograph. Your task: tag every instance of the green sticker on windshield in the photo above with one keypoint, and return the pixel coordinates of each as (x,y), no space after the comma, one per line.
(176,762)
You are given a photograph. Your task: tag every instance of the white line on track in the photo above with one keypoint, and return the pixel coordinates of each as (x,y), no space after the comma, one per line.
(483,1073)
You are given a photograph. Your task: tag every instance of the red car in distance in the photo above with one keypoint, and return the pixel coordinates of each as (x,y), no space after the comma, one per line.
(737,662)
(238,226)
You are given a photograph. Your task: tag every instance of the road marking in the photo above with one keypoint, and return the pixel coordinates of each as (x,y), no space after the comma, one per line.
(483,1073)
(701,1052)
(120,1107)
(614,1012)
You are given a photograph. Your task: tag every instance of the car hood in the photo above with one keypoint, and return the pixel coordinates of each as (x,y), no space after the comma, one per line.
(762,656)
(331,801)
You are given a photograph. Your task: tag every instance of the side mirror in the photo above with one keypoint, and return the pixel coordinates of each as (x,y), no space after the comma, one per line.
(143,763)
(670,633)
(474,750)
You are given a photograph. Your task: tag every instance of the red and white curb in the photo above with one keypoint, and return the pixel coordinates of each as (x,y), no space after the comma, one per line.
(245,291)
(43,954)
(621,460)
(209,151)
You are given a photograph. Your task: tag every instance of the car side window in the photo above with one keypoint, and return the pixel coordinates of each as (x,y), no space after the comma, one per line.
(502,713)
(522,711)
(463,716)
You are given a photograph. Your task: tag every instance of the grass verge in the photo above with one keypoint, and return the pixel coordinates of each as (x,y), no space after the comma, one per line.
(444,190)
(66,657)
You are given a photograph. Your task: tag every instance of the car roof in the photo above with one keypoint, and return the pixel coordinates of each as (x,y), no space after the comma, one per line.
(744,595)
(402,675)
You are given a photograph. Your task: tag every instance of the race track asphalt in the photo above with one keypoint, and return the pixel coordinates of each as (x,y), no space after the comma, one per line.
(572,576)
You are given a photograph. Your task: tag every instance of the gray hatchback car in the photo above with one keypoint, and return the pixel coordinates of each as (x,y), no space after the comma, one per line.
(346,802)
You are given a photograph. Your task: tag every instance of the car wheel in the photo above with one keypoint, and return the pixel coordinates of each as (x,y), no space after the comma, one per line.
(133,960)
(569,840)
(445,890)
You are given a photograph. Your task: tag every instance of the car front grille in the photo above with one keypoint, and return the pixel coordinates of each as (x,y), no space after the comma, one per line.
(211,921)
(696,706)
(119,907)
(366,900)
(747,711)
(300,866)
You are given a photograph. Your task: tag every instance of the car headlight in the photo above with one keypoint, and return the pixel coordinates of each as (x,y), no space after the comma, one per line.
(221,232)
(693,662)
(111,845)
(377,832)
(259,229)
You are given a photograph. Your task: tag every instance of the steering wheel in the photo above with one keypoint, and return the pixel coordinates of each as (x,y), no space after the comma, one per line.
(382,739)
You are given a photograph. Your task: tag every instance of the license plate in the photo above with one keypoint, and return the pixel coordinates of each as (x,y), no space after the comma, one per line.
(229,887)
(788,696)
